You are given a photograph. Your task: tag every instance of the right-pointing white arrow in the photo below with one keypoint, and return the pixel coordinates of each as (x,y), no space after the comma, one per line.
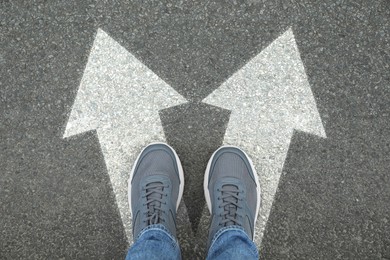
(269,97)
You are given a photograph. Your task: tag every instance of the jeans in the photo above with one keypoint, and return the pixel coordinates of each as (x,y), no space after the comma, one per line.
(155,242)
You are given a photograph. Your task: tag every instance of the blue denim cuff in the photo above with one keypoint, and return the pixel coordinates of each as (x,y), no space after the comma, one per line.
(226,229)
(233,242)
(159,228)
(157,237)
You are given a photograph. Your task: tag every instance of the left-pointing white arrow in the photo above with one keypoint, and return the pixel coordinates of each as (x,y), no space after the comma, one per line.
(120,97)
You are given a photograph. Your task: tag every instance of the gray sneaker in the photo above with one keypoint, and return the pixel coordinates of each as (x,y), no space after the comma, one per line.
(232,191)
(155,188)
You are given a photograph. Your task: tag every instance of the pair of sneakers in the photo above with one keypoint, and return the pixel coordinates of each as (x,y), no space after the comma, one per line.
(231,189)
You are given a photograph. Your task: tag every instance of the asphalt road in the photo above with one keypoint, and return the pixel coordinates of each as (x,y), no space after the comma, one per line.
(56,197)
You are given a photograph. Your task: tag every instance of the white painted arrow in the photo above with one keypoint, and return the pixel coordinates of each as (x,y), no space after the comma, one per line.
(269,97)
(120,98)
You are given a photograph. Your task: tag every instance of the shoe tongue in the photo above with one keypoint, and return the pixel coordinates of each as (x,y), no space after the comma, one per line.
(154,195)
(230,208)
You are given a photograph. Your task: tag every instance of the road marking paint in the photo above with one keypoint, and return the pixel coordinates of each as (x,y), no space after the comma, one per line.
(120,97)
(269,97)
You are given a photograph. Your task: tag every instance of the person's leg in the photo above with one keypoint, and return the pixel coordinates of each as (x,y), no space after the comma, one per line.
(232,243)
(232,193)
(155,189)
(154,243)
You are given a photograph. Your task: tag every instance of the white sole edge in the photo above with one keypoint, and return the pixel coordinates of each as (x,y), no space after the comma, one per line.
(179,166)
(207,174)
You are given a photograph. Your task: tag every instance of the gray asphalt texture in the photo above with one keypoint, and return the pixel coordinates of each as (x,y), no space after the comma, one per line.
(333,198)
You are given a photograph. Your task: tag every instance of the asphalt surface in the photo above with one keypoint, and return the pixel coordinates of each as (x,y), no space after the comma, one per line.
(56,198)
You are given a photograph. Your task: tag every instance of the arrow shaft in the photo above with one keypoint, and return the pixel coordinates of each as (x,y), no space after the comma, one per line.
(268,152)
(120,146)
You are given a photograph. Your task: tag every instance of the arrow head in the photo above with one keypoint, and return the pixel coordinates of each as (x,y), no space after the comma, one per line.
(272,90)
(117,89)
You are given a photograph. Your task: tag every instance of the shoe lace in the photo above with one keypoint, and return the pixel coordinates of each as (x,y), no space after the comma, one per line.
(154,194)
(230,197)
